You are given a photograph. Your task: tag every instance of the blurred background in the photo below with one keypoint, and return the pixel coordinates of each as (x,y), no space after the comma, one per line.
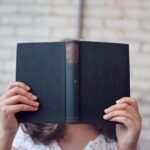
(126,21)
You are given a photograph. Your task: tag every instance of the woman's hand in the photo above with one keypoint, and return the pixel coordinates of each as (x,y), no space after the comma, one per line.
(17,98)
(126,112)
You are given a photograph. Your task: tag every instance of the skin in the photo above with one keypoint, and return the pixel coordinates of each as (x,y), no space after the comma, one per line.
(77,136)
(127,113)
(18,98)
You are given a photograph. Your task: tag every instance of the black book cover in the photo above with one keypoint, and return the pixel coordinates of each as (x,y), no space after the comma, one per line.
(74,80)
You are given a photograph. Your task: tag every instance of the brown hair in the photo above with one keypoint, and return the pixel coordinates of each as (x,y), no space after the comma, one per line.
(46,133)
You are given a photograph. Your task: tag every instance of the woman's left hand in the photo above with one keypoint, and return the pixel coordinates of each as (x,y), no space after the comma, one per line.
(126,112)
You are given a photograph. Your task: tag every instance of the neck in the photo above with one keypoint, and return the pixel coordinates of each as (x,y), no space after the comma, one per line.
(78,134)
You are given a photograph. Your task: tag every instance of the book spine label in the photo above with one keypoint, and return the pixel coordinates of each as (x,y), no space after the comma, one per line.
(72,82)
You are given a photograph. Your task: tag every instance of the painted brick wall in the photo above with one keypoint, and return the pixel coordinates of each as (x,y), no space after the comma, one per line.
(125,21)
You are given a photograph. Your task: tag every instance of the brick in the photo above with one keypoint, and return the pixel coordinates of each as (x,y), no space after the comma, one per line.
(64,33)
(146,123)
(105,34)
(92,23)
(18,1)
(64,10)
(145,143)
(16,20)
(138,35)
(64,2)
(126,24)
(44,2)
(95,3)
(134,47)
(5,55)
(1,66)
(140,60)
(35,9)
(2,88)
(11,42)
(9,66)
(146,25)
(145,4)
(8,9)
(144,134)
(103,12)
(137,13)
(55,21)
(135,93)
(123,4)
(140,85)
(147,96)
(32,31)
(7,77)
(141,73)
(144,109)
(146,48)
(6,31)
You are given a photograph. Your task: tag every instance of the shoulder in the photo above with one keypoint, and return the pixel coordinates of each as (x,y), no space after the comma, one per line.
(19,139)
(23,141)
(102,143)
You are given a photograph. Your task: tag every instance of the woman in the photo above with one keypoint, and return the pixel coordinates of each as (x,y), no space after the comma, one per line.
(66,137)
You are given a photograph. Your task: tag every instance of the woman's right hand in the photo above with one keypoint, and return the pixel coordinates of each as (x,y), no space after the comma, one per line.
(17,98)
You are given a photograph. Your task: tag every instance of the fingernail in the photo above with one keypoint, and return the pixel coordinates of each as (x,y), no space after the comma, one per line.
(105,110)
(117,101)
(28,88)
(105,117)
(37,103)
(34,97)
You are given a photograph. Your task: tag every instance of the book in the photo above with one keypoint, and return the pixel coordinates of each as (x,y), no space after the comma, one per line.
(73,80)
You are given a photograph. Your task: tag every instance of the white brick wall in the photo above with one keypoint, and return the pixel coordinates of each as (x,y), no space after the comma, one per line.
(104,20)
(126,21)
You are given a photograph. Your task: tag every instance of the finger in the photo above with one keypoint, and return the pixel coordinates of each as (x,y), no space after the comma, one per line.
(20,99)
(124,120)
(19,91)
(132,110)
(19,84)
(117,113)
(118,106)
(128,100)
(13,109)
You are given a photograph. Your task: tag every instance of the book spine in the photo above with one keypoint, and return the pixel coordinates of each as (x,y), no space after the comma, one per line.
(72,82)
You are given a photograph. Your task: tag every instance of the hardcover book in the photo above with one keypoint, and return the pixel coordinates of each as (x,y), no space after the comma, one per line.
(74,80)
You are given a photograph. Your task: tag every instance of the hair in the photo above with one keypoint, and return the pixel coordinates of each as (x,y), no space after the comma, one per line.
(46,133)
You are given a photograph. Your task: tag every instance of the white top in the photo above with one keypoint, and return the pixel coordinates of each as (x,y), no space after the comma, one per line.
(23,141)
